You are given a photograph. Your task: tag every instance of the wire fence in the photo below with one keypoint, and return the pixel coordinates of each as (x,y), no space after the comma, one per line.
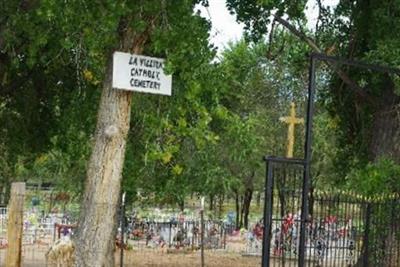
(39,233)
(147,242)
(343,230)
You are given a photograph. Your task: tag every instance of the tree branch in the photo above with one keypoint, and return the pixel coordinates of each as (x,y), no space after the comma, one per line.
(320,7)
(271,37)
(343,76)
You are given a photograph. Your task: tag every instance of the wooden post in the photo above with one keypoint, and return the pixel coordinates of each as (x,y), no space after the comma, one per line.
(15,223)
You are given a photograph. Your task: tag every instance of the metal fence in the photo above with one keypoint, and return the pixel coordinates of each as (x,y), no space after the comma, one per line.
(39,232)
(147,242)
(152,234)
(341,228)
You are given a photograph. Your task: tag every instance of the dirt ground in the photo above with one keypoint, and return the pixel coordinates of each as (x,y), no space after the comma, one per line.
(34,256)
(212,259)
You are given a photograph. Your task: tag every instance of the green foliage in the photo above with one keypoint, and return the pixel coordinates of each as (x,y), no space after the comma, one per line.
(363,30)
(210,136)
(256,14)
(357,30)
(52,63)
(380,177)
(325,151)
(207,139)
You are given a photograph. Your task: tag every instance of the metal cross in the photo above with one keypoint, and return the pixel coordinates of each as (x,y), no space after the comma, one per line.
(291,121)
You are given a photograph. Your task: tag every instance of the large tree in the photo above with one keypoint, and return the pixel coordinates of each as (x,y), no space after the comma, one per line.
(54,56)
(157,30)
(43,56)
(365,104)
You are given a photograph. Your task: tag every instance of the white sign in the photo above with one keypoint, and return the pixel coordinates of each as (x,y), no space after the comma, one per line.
(140,73)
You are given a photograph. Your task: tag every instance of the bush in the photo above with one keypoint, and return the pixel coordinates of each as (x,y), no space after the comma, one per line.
(382,176)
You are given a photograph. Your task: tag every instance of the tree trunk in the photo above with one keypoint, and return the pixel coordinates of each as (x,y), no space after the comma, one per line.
(211,202)
(237,202)
(50,202)
(181,205)
(248,194)
(95,238)
(385,136)
(241,213)
(96,233)
(220,204)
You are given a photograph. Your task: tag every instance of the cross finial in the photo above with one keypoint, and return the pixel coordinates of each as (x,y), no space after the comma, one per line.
(291,121)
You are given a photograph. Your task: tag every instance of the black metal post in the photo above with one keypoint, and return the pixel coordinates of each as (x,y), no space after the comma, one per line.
(307,158)
(285,160)
(310,112)
(266,248)
(366,235)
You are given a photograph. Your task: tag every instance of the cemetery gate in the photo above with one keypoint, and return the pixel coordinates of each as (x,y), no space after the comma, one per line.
(306,228)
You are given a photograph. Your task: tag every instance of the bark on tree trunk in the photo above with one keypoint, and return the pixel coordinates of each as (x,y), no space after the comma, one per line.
(241,213)
(248,194)
(237,210)
(182,205)
(220,204)
(385,137)
(50,202)
(211,202)
(95,238)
